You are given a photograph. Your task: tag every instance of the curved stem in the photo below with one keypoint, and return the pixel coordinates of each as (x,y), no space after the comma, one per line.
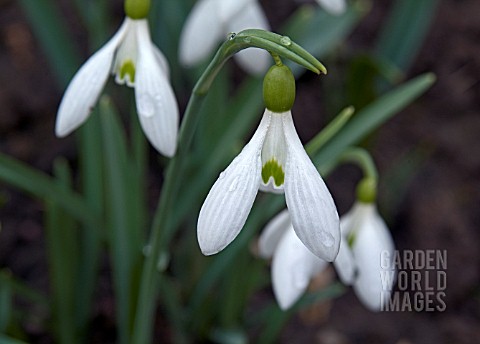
(362,159)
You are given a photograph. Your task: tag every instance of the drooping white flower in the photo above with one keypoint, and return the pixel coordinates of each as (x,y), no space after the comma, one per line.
(211,21)
(293,265)
(371,242)
(274,160)
(335,7)
(135,61)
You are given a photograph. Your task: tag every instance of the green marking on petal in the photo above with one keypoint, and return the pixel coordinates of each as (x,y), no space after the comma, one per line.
(128,68)
(273,169)
(351,239)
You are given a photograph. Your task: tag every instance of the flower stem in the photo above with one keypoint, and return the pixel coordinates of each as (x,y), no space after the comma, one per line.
(277,59)
(362,159)
(161,233)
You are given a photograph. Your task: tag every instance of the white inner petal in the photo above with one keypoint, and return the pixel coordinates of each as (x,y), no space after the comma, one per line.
(124,66)
(274,155)
(228,9)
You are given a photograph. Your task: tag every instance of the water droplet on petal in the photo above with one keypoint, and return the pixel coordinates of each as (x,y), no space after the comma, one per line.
(285,40)
(222,175)
(146,105)
(234,184)
(327,239)
(231,35)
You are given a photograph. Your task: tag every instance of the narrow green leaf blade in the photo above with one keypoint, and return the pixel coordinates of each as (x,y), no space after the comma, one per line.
(405,30)
(42,186)
(49,27)
(125,248)
(371,117)
(62,253)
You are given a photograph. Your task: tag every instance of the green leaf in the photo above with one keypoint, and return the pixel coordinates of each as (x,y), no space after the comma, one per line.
(124,235)
(275,318)
(91,174)
(405,30)
(8,340)
(6,298)
(62,253)
(49,27)
(22,290)
(319,32)
(42,186)
(371,117)
(329,131)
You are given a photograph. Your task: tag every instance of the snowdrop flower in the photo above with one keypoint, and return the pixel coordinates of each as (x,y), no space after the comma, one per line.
(369,240)
(274,160)
(131,56)
(293,265)
(210,22)
(335,7)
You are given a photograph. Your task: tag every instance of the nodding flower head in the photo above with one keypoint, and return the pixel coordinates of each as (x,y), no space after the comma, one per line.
(366,240)
(135,61)
(274,161)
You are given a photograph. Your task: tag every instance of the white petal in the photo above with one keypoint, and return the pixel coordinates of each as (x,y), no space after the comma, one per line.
(345,262)
(271,187)
(274,148)
(272,234)
(229,9)
(335,7)
(293,267)
(156,104)
(228,203)
(252,60)
(371,239)
(162,61)
(126,52)
(201,33)
(83,91)
(312,210)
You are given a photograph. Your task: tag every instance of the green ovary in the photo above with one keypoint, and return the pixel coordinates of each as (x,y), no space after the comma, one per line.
(273,169)
(128,68)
